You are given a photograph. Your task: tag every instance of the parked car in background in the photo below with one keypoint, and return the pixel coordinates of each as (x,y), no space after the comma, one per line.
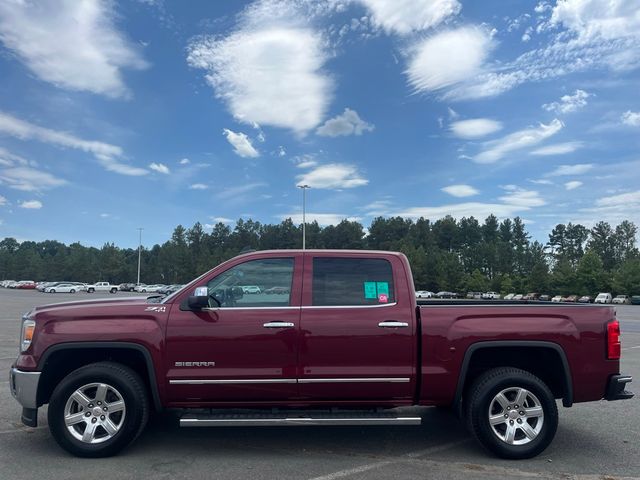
(571,299)
(63,288)
(424,294)
(169,289)
(509,296)
(445,294)
(26,285)
(151,288)
(127,287)
(518,296)
(622,299)
(635,300)
(531,296)
(102,287)
(278,291)
(490,296)
(252,289)
(603,298)
(544,298)
(6,283)
(585,299)
(557,299)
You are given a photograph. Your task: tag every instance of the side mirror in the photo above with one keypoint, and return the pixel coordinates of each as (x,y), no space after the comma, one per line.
(198,302)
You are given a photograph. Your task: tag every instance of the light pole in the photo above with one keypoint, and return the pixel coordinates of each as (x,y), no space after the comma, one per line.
(139,253)
(304,214)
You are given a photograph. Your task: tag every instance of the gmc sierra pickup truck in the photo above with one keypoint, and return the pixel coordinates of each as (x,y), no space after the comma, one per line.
(339,340)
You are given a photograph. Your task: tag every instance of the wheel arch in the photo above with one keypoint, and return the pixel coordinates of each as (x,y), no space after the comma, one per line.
(486,354)
(61,359)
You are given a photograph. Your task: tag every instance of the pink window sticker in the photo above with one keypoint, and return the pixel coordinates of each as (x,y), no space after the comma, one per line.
(383,298)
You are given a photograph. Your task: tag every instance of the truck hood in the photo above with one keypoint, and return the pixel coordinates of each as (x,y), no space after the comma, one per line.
(93,305)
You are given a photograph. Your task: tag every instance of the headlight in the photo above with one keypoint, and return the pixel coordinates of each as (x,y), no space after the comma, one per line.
(28,327)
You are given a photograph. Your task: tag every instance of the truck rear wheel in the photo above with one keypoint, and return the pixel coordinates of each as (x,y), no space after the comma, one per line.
(512,413)
(99,409)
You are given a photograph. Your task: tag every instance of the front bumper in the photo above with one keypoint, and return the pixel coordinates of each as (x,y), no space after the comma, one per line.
(24,388)
(616,388)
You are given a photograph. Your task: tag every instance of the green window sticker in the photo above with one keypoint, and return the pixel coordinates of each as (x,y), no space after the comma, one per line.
(370,291)
(383,288)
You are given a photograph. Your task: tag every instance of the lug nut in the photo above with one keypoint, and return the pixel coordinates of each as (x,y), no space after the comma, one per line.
(105,409)
(90,405)
(510,422)
(515,406)
(521,412)
(508,408)
(506,415)
(102,417)
(100,403)
(88,414)
(94,420)
(519,420)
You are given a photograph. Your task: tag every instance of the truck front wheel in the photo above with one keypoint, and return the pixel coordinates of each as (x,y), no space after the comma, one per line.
(512,413)
(99,409)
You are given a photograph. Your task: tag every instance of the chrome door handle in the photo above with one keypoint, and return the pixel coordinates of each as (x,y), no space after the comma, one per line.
(393,324)
(278,325)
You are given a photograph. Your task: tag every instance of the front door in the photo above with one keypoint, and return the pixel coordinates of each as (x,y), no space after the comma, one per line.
(357,334)
(244,348)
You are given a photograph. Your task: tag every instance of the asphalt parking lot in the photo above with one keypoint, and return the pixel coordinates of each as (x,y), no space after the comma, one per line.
(599,440)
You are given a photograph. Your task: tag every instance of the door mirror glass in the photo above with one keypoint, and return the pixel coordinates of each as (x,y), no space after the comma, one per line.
(201,292)
(197,302)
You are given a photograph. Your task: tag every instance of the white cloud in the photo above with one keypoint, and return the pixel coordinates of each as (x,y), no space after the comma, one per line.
(347,123)
(184,161)
(281,152)
(631,118)
(322,218)
(568,103)
(332,176)
(106,154)
(198,186)
(3,200)
(233,192)
(623,199)
(160,168)
(460,190)
(31,204)
(475,127)
(558,149)
(566,170)
(222,220)
(593,35)
(448,57)
(305,161)
(497,149)
(572,185)
(270,70)
(541,181)
(29,179)
(241,144)
(72,44)
(406,16)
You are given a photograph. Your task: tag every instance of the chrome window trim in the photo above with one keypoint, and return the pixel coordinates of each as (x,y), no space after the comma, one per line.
(382,305)
(216,309)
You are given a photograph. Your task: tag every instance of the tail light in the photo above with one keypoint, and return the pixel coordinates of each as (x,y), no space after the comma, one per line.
(613,340)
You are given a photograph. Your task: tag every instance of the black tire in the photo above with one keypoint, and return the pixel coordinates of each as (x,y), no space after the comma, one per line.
(91,290)
(113,290)
(136,401)
(52,291)
(72,291)
(481,397)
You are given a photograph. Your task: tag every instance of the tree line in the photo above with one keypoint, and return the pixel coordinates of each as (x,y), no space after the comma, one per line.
(448,254)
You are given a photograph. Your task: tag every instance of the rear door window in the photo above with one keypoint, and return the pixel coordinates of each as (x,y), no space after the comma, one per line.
(352,282)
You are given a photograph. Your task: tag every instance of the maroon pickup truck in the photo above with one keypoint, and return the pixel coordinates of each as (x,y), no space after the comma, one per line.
(328,338)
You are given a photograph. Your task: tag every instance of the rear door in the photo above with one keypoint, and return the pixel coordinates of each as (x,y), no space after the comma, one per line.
(357,339)
(244,350)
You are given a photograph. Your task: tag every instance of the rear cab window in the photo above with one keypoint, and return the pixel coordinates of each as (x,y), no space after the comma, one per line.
(345,281)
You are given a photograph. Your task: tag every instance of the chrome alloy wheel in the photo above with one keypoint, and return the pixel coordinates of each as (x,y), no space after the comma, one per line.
(94,413)
(516,416)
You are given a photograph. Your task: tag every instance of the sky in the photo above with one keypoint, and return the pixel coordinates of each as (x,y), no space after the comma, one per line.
(147,114)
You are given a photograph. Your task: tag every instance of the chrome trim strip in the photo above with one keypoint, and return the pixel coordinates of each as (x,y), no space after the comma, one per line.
(278,324)
(287,380)
(382,305)
(216,309)
(524,304)
(393,324)
(232,381)
(356,380)
(296,421)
